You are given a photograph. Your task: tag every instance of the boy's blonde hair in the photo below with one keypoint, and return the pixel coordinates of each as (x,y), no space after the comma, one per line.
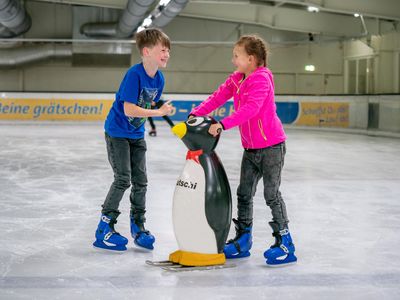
(151,37)
(256,46)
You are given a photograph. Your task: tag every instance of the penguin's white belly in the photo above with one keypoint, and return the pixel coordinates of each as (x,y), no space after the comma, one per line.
(192,231)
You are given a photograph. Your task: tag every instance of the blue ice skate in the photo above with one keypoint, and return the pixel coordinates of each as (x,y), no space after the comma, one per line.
(107,237)
(241,244)
(142,237)
(282,252)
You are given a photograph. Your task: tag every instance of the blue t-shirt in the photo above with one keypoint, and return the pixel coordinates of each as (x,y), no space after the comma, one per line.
(138,88)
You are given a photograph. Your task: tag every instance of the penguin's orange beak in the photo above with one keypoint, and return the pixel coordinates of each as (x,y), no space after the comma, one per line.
(179,130)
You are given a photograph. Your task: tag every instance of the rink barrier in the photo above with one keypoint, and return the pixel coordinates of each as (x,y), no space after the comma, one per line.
(370,113)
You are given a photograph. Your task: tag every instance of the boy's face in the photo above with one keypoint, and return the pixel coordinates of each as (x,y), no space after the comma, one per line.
(159,54)
(241,60)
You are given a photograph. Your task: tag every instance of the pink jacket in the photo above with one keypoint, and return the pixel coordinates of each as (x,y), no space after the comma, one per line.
(255,108)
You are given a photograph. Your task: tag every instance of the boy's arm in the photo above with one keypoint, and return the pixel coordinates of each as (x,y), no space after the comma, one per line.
(218,98)
(134,111)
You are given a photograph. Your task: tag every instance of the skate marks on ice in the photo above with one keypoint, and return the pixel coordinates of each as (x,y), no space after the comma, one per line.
(174,267)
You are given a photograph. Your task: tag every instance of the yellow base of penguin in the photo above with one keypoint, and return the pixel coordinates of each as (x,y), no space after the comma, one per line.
(194,259)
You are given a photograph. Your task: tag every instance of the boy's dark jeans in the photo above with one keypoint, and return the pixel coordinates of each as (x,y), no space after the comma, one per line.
(128,161)
(267,164)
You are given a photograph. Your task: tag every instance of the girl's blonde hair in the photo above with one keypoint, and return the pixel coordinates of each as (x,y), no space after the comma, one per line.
(256,46)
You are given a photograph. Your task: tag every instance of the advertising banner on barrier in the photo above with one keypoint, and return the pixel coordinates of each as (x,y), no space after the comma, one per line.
(95,107)
(324,114)
(54,107)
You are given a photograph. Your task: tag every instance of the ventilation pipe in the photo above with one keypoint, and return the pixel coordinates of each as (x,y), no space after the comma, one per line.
(130,20)
(168,12)
(99,30)
(5,32)
(14,18)
(133,17)
(25,55)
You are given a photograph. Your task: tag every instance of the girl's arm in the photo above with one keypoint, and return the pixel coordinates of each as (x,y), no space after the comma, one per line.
(217,99)
(258,91)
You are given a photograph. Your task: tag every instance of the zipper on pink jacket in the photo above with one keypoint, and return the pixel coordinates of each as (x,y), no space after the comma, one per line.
(261,130)
(251,139)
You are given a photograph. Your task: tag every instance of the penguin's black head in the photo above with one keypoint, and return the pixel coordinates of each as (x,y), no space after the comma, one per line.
(194,133)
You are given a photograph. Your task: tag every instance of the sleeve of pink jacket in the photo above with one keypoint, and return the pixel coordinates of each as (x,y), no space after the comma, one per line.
(217,99)
(258,89)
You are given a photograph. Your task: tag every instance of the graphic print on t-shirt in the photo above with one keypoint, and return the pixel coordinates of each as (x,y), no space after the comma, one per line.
(147,95)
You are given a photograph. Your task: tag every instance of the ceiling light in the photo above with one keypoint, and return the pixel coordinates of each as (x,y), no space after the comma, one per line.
(309,68)
(313,9)
(164,2)
(147,21)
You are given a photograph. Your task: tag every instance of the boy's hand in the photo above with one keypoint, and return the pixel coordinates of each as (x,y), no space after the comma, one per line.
(166,108)
(215,129)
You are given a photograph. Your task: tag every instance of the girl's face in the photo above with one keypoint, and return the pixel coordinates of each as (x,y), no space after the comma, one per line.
(243,62)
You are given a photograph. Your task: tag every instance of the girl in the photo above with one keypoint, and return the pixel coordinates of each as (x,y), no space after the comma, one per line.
(263,140)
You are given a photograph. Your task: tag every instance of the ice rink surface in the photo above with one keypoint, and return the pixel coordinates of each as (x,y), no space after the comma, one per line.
(342,192)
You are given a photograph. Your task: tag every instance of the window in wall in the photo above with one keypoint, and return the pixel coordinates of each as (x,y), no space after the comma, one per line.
(360,74)
(352,77)
(370,84)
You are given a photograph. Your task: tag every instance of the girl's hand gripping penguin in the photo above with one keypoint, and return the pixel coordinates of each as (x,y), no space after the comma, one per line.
(215,129)
(194,135)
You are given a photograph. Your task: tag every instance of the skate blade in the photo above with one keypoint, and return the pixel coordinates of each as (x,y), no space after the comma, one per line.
(160,263)
(115,249)
(145,248)
(140,249)
(107,251)
(180,268)
(239,255)
(288,264)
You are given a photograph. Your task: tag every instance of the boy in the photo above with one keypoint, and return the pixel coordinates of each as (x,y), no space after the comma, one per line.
(126,147)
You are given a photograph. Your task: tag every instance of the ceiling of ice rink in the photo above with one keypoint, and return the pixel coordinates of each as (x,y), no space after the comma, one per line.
(34,30)
(319,19)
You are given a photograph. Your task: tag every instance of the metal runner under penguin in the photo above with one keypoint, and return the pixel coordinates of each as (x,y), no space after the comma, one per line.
(174,267)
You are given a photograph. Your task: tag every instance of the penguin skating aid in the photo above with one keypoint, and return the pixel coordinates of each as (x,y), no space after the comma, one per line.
(202,204)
